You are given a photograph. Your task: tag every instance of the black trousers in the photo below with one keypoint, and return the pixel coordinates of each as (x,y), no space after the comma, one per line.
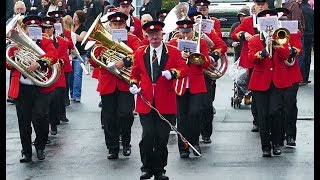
(207,110)
(67,91)
(270,105)
(290,112)
(153,144)
(53,110)
(61,108)
(117,113)
(32,107)
(305,64)
(253,104)
(189,117)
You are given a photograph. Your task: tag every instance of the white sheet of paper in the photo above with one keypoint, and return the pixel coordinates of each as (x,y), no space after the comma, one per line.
(35,32)
(119,34)
(187,45)
(207,25)
(58,28)
(268,23)
(74,37)
(292,26)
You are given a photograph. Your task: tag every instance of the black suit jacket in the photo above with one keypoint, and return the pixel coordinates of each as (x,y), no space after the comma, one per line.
(36,3)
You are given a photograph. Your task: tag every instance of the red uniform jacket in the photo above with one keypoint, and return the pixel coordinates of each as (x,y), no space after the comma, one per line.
(217,26)
(245,26)
(108,82)
(145,41)
(137,27)
(265,69)
(219,44)
(67,65)
(50,57)
(294,70)
(161,94)
(62,56)
(196,77)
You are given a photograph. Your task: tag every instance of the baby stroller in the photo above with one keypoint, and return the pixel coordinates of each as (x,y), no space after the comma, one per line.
(240,85)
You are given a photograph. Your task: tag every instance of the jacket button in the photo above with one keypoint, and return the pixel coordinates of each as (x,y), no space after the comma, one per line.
(271,69)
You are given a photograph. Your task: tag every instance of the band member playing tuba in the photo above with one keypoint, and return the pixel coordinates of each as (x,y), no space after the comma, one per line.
(268,82)
(32,102)
(243,32)
(117,101)
(289,129)
(217,47)
(154,68)
(189,91)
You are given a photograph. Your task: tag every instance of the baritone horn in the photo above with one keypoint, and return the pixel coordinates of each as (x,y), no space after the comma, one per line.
(112,51)
(282,36)
(28,51)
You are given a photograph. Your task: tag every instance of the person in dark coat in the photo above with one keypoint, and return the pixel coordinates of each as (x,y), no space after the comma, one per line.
(33,6)
(148,8)
(305,59)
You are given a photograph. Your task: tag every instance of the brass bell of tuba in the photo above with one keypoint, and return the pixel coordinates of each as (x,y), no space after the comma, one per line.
(28,51)
(113,51)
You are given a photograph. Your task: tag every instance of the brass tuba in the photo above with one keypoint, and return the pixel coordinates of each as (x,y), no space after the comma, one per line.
(112,51)
(28,51)
(218,69)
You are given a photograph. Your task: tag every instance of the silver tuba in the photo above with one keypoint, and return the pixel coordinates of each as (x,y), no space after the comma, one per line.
(28,51)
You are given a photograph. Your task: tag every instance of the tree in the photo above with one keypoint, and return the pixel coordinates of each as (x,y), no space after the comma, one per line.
(169,4)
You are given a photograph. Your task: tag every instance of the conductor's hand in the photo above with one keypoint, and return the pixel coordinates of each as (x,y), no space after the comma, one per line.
(134,89)
(167,74)
(33,66)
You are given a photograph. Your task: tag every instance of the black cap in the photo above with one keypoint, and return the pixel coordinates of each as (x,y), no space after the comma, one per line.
(192,15)
(56,14)
(185,25)
(284,10)
(266,13)
(162,13)
(48,22)
(260,1)
(202,3)
(117,17)
(153,26)
(32,20)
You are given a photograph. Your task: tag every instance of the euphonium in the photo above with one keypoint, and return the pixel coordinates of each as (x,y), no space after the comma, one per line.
(112,51)
(28,51)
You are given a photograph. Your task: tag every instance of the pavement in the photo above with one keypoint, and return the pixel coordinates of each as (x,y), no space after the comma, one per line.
(78,151)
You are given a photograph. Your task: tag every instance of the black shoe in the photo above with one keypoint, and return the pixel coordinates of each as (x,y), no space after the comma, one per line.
(291,142)
(10,100)
(127,150)
(100,104)
(146,175)
(113,156)
(53,132)
(67,102)
(266,153)
(206,140)
(25,158)
(281,143)
(161,176)
(64,119)
(184,154)
(41,154)
(57,122)
(255,128)
(197,147)
(102,126)
(276,150)
(48,142)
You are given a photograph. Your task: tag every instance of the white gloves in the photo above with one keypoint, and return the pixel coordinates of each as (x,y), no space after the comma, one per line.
(134,89)
(166,74)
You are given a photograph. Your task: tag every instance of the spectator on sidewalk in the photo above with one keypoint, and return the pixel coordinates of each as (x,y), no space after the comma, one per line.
(92,8)
(148,8)
(305,59)
(33,6)
(71,7)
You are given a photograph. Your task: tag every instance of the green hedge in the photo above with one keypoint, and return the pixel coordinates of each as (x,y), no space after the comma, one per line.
(169,4)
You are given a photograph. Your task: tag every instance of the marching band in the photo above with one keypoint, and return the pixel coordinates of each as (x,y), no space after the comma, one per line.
(174,80)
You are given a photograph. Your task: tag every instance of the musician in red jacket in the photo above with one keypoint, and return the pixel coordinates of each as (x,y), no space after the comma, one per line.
(217,47)
(289,130)
(203,7)
(190,91)
(117,101)
(32,102)
(154,68)
(132,22)
(268,82)
(243,32)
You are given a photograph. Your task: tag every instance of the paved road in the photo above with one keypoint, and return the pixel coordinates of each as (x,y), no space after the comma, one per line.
(78,151)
